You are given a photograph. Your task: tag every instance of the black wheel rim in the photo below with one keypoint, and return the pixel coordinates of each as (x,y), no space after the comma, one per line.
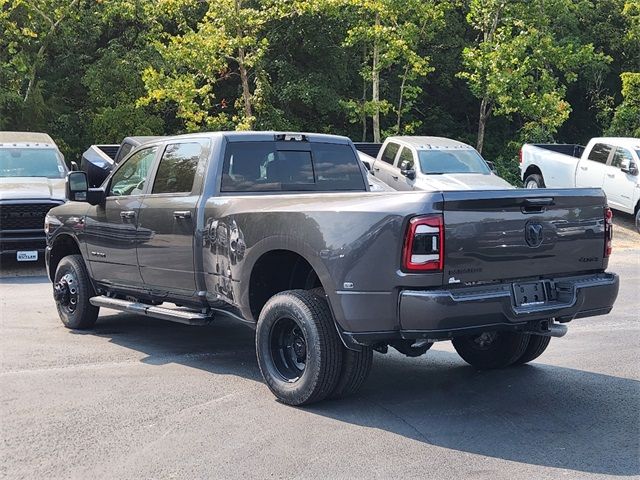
(288,349)
(65,292)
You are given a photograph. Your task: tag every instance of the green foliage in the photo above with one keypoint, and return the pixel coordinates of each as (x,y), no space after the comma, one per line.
(96,71)
(626,120)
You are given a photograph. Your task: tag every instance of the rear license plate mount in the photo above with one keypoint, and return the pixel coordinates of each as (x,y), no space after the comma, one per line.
(529,293)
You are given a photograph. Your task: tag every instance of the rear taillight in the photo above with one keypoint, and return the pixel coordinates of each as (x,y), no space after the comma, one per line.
(424,244)
(608,231)
(520,155)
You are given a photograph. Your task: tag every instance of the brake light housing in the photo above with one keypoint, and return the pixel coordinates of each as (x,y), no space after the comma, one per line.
(608,231)
(424,244)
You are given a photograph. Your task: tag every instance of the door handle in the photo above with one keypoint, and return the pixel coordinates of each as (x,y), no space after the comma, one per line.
(127,214)
(584,168)
(182,214)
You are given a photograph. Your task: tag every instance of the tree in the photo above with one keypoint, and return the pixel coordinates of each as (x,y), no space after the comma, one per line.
(626,120)
(521,65)
(389,33)
(200,62)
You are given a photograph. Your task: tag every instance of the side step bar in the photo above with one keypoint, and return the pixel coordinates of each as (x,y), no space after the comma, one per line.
(187,317)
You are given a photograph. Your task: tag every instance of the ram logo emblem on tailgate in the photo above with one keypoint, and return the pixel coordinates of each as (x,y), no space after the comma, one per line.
(533,234)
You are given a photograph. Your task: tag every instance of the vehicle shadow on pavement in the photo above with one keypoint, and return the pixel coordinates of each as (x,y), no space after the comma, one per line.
(535,414)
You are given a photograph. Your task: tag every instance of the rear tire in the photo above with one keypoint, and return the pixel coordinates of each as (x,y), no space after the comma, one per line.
(638,220)
(72,291)
(534,181)
(298,349)
(489,350)
(536,347)
(356,367)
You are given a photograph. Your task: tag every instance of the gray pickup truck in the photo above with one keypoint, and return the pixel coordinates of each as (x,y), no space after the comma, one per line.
(281,231)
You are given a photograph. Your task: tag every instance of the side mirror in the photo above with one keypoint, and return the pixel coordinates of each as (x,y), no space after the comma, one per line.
(74,167)
(407,170)
(77,186)
(77,189)
(628,166)
(492,166)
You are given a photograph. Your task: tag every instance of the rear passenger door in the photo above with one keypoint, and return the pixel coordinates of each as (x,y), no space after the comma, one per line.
(591,171)
(168,217)
(384,168)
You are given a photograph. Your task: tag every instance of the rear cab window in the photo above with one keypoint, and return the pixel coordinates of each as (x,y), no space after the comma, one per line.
(273,166)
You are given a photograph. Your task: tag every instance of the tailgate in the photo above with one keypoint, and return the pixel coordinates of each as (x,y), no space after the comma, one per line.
(500,235)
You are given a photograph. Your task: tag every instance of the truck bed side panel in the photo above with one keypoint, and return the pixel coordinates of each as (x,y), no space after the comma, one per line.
(352,240)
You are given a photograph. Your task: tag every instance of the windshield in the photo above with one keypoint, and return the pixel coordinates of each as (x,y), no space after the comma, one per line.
(31,162)
(452,161)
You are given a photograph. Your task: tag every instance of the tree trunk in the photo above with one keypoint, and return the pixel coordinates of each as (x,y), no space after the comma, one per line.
(485,111)
(244,76)
(364,112)
(41,51)
(400,100)
(375,97)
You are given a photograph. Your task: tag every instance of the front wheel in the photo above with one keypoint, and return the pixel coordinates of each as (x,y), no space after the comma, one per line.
(534,181)
(299,352)
(638,220)
(489,350)
(72,290)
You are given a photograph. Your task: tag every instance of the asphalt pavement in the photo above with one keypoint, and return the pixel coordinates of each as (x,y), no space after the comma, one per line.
(140,398)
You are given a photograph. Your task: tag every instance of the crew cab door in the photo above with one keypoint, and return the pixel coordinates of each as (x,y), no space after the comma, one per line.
(618,185)
(168,219)
(111,228)
(591,170)
(383,167)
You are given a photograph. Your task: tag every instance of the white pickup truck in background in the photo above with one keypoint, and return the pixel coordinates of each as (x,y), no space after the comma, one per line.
(609,163)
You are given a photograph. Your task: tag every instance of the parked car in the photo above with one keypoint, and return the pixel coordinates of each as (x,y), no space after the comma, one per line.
(32,175)
(610,163)
(99,160)
(432,164)
(280,231)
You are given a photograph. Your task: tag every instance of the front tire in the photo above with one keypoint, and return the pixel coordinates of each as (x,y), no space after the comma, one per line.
(638,220)
(72,290)
(534,181)
(490,350)
(298,349)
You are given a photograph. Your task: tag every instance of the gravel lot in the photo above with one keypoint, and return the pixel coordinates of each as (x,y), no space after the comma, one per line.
(139,398)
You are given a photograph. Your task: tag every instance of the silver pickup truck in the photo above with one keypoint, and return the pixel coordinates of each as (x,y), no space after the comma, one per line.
(32,173)
(282,232)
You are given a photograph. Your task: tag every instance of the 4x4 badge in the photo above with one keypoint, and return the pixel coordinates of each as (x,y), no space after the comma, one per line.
(533,234)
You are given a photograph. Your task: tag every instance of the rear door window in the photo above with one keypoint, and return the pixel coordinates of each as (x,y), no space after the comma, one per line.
(600,152)
(263,167)
(390,152)
(177,169)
